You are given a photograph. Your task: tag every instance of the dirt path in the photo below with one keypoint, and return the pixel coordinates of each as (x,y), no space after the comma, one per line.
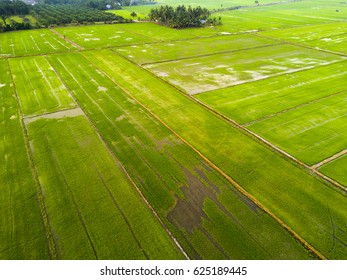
(67,40)
(329,159)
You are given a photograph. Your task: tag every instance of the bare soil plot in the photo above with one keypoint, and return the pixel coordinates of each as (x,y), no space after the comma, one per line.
(207,73)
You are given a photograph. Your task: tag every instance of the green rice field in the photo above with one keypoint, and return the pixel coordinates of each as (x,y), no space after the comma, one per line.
(228,69)
(32,42)
(137,141)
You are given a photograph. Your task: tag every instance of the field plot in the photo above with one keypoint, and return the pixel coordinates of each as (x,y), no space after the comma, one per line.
(312,132)
(282,16)
(127,14)
(332,37)
(96,36)
(207,73)
(336,169)
(308,33)
(289,192)
(152,53)
(22,234)
(38,86)
(104,220)
(201,208)
(336,43)
(160,33)
(246,103)
(32,42)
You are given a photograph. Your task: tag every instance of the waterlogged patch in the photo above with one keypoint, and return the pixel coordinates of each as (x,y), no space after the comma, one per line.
(56,115)
(162,74)
(102,89)
(121,117)
(91,39)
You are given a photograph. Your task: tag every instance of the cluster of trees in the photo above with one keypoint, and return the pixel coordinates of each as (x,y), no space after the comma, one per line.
(11,25)
(47,15)
(182,17)
(65,14)
(11,8)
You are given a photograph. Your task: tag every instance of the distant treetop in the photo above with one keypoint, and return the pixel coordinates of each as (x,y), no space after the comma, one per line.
(182,17)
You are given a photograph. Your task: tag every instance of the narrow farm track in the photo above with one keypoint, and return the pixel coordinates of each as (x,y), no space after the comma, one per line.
(66,39)
(127,175)
(49,235)
(226,176)
(329,159)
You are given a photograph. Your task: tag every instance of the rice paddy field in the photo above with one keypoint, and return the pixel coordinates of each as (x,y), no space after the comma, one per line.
(136,141)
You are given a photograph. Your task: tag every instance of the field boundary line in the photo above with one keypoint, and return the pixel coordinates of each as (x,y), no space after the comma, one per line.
(207,55)
(66,39)
(329,159)
(292,108)
(122,167)
(52,246)
(227,177)
(248,132)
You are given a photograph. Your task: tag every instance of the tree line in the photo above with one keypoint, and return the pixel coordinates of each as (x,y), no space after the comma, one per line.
(98,4)
(182,17)
(48,15)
